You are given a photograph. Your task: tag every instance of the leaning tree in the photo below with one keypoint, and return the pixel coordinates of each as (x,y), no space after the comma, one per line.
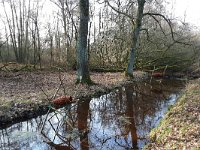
(137,23)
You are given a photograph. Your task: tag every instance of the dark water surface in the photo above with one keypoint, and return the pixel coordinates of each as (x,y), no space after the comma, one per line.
(119,120)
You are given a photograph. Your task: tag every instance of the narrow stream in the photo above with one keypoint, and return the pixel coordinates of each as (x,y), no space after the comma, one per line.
(119,120)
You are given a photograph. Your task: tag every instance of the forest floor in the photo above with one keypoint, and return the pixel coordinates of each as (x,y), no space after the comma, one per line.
(25,94)
(180,128)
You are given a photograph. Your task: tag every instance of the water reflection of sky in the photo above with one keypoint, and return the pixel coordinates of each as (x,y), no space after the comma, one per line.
(112,121)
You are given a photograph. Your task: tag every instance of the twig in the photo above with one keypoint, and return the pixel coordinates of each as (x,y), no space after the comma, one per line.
(45,120)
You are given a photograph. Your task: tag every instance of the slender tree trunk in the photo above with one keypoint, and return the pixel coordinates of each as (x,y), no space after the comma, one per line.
(51,49)
(26,48)
(136,32)
(82,51)
(39,46)
(64,16)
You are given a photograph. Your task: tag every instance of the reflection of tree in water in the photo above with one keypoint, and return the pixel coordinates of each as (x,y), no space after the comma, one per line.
(118,120)
(119,112)
(57,129)
(82,116)
(108,108)
(151,96)
(20,135)
(149,99)
(131,115)
(71,125)
(123,111)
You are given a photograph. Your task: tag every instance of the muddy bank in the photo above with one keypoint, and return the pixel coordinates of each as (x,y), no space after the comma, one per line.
(180,129)
(25,95)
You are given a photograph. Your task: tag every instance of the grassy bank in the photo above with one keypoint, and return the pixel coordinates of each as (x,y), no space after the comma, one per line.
(180,128)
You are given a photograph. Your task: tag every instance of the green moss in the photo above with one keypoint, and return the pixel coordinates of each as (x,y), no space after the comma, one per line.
(25,101)
(184,129)
(195,148)
(182,100)
(128,74)
(196,91)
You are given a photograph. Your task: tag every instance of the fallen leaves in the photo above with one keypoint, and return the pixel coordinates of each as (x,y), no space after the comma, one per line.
(20,89)
(180,129)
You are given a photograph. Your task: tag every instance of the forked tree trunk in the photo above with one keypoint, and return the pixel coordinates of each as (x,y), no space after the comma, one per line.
(82,51)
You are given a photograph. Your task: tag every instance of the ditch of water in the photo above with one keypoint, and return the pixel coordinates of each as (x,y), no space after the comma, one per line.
(120,120)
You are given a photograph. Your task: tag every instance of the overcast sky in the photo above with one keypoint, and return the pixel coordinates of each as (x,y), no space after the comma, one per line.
(188,8)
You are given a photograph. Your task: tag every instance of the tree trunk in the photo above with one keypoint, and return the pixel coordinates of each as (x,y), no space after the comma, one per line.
(136,32)
(82,51)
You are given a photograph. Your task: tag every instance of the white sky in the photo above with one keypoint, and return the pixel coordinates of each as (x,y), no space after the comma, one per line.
(188,9)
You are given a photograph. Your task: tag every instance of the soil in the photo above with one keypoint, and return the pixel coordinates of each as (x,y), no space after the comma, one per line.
(180,129)
(26,94)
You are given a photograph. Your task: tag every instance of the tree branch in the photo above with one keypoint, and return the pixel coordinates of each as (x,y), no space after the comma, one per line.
(169,24)
(1,44)
(147,32)
(120,12)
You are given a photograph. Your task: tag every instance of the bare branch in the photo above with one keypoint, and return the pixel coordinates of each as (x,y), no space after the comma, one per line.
(169,24)
(1,44)
(56,4)
(147,32)
(71,17)
(120,12)
(159,23)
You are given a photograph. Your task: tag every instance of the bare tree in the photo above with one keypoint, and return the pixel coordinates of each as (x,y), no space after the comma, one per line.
(35,33)
(18,24)
(68,20)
